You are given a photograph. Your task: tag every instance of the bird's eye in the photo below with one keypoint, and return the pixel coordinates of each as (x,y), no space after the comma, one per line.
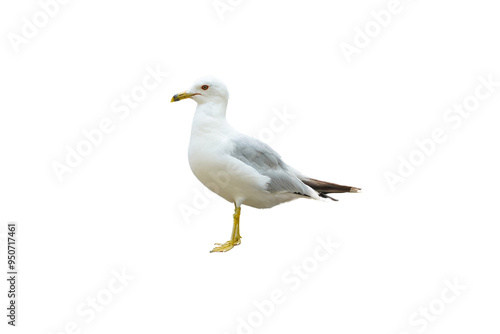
(204,87)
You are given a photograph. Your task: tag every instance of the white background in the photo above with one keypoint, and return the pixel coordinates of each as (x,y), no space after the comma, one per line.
(120,208)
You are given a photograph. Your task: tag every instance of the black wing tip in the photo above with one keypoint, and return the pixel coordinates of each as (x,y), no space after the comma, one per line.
(301,194)
(323,195)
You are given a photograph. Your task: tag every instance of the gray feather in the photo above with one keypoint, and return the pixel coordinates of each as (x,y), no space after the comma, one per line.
(268,162)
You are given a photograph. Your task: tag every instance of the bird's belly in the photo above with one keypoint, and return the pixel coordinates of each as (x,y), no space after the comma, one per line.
(229,178)
(236,184)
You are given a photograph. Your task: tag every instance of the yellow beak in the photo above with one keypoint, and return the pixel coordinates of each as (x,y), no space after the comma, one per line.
(181,96)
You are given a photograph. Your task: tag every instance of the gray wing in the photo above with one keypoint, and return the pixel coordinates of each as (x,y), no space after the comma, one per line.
(268,162)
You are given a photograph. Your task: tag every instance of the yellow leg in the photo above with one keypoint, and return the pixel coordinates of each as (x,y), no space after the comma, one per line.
(235,235)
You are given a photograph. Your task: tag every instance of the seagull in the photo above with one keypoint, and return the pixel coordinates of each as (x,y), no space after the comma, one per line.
(239,168)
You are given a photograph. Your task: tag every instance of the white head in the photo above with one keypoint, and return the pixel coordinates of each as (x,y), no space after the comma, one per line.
(205,89)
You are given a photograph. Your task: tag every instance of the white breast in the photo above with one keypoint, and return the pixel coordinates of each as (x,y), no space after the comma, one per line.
(210,160)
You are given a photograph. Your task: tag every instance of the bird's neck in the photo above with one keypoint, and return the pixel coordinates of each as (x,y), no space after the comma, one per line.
(213,109)
(210,117)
